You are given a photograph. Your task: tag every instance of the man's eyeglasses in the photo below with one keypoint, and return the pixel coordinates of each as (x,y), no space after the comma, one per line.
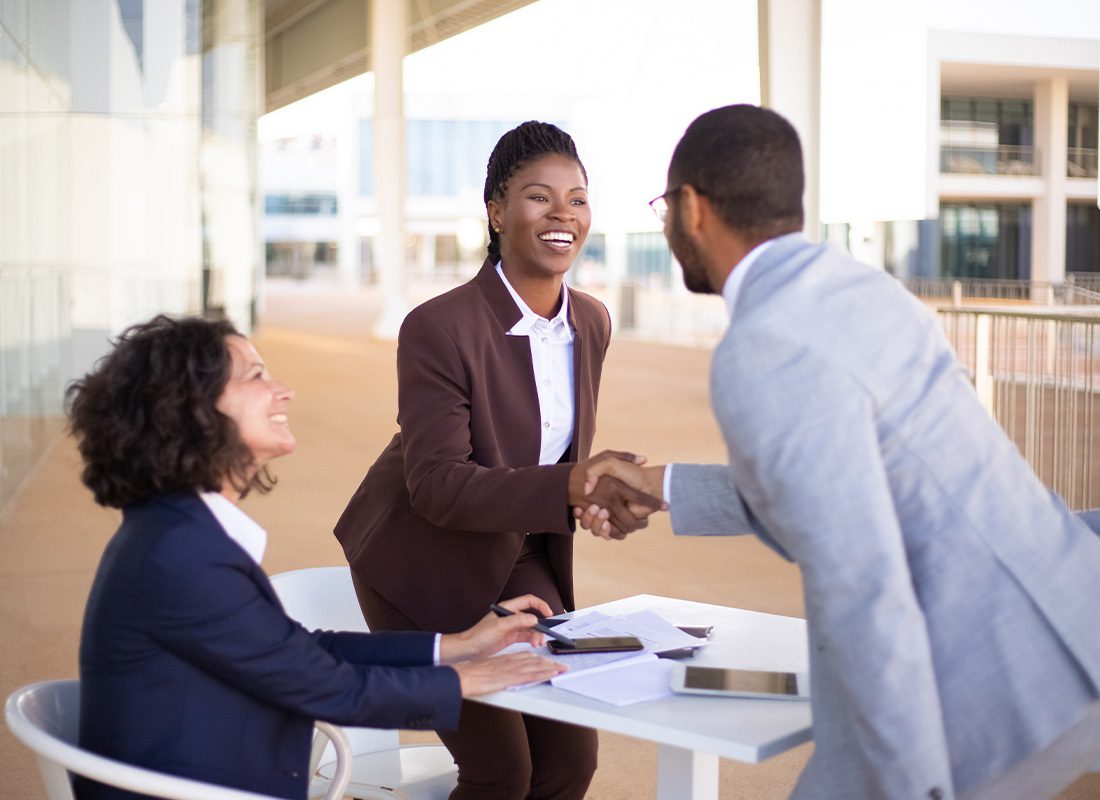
(659,204)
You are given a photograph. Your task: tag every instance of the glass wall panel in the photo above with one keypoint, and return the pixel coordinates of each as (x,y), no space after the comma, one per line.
(987,136)
(1084,119)
(1082,237)
(100,154)
(648,259)
(985,241)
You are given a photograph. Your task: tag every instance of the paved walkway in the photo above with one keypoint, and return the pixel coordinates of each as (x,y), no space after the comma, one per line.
(654,401)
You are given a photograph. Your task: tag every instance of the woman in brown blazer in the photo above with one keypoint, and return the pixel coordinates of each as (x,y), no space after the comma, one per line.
(471,501)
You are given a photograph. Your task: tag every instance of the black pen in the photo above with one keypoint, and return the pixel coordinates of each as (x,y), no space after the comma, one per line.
(501,611)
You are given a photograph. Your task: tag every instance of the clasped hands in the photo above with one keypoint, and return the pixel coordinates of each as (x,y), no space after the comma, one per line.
(612,494)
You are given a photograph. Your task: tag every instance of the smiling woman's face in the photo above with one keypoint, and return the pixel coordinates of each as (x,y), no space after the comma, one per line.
(544,217)
(257,403)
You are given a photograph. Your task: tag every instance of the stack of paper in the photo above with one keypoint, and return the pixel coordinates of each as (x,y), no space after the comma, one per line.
(619,678)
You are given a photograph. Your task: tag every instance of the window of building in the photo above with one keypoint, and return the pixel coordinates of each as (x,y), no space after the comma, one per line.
(299,259)
(985,241)
(590,268)
(648,259)
(1082,140)
(444,158)
(1082,237)
(324,205)
(983,135)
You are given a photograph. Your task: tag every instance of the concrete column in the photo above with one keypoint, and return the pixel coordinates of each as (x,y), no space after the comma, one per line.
(1048,219)
(389,34)
(790,84)
(349,252)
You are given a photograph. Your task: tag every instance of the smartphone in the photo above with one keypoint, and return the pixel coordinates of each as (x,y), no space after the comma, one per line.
(596,644)
(739,682)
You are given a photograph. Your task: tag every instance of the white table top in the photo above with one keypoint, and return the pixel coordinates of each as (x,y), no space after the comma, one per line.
(742,729)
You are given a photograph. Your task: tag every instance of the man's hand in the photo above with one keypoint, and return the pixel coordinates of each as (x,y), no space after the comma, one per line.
(609,482)
(598,518)
(493,674)
(494,633)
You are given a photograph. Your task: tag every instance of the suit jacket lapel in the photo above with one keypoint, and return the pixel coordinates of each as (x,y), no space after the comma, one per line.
(517,371)
(583,405)
(190,503)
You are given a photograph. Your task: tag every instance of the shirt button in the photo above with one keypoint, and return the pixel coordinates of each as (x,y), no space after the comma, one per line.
(936,793)
(545,340)
(546,424)
(546,382)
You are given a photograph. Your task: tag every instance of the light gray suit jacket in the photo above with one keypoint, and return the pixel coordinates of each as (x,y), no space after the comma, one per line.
(952,601)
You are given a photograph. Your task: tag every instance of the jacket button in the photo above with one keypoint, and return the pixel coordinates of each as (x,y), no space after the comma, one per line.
(936,793)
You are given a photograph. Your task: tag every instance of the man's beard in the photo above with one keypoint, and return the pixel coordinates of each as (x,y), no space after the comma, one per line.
(695,274)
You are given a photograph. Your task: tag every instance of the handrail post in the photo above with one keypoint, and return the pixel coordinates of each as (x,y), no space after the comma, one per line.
(983,371)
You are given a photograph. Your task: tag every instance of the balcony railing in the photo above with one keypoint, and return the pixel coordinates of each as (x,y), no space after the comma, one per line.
(1081,162)
(1039,376)
(1078,289)
(1005,159)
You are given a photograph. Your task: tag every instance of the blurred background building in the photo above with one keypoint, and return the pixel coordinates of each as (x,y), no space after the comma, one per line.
(175,155)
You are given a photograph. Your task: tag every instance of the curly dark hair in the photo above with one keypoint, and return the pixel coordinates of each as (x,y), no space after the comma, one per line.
(145,416)
(514,149)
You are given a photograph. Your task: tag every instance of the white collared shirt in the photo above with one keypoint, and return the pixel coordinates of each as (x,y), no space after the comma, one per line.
(245,531)
(552,360)
(237,525)
(730,292)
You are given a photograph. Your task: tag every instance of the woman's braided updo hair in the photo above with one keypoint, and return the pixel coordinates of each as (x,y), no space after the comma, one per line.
(514,149)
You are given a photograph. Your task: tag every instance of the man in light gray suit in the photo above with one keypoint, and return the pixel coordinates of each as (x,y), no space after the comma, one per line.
(952,601)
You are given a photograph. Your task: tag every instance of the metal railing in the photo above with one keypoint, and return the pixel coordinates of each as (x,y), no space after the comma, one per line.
(1085,280)
(1004,159)
(1039,376)
(1076,290)
(955,289)
(1081,162)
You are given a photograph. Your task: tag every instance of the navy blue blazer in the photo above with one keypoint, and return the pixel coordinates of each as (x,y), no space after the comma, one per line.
(189,665)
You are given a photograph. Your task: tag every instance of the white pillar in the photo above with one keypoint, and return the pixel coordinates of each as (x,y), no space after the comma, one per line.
(349,252)
(389,33)
(1048,219)
(790,84)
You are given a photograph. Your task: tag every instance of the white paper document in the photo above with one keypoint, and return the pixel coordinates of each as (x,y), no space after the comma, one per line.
(618,678)
(621,683)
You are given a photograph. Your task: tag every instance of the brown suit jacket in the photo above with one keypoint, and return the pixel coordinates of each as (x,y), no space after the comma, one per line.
(437,523)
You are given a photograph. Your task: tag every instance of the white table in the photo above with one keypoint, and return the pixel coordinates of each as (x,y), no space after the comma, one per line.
(693,732)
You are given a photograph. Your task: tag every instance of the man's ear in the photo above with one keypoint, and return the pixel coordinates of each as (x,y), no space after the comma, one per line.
(692,212)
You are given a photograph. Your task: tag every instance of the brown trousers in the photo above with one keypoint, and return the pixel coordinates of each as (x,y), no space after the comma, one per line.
(505,755)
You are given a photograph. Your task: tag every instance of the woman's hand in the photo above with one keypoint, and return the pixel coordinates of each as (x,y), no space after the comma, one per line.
(493,674)
(494,633)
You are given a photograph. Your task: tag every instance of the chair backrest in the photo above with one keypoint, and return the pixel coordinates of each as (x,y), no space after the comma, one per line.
(46,718)
(324,598)
(320,597)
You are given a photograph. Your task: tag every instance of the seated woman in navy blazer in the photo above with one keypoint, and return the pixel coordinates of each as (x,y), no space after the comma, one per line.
(188,663)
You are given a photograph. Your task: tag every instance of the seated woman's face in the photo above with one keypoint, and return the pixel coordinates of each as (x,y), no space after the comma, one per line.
(257,403)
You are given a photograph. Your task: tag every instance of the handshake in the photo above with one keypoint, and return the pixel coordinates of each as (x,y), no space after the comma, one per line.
(612,494)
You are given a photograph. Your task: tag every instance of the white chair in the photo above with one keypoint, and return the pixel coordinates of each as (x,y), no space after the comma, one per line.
(46,718)
(324,597)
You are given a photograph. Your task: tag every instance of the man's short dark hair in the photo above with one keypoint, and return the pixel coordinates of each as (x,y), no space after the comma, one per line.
(146,419)
(747,161)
